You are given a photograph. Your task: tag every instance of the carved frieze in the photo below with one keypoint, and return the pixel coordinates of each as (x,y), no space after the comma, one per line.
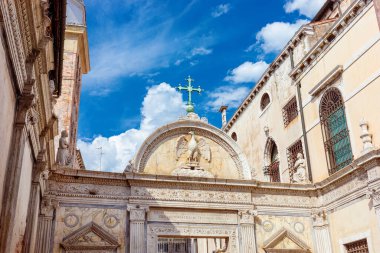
(88,190)
(208,196)
(193,217)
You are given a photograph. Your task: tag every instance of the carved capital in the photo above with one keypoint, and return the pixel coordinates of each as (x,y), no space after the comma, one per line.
(25,102)
(48,205)
(374,195)
(247,216)
(319,218)
(137,213)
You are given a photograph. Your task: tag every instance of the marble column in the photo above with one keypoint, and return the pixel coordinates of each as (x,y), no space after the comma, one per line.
(137,229)
(247,231)
(45,226)
(321,233)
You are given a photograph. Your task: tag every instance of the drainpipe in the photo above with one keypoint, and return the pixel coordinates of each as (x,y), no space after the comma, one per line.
(299,98)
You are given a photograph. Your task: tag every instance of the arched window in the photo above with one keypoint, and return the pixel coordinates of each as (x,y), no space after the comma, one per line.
(335,131)
(234,136)
(272,164)
(265,100)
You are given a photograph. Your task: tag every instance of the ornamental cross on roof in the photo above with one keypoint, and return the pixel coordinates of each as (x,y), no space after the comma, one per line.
(189,88)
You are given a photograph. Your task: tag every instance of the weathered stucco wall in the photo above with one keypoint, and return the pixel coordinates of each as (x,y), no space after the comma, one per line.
(7,112)
(356,50)
(356,222)
(249,128)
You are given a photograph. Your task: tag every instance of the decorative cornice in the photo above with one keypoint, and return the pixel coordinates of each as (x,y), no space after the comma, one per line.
(340,25)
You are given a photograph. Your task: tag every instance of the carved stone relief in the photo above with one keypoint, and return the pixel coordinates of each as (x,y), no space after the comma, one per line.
(268,226)
(191,195)
(71,219)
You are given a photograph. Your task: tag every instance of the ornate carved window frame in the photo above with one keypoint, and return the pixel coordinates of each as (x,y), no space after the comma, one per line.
(179,230)
(365,235)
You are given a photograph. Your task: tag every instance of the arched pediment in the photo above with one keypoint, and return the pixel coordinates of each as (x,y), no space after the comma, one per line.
(160,154)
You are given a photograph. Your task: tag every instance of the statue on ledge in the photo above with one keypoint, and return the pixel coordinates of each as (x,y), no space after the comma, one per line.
(63,155)
(299,170)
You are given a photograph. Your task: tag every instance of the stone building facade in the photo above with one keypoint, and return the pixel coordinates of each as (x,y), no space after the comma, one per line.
(309,184)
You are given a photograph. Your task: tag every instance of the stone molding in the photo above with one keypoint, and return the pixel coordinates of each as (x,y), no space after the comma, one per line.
(156,230)
(182,127)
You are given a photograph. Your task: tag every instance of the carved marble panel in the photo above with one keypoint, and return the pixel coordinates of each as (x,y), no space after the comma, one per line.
(70,219)
(74,189)
(197,195)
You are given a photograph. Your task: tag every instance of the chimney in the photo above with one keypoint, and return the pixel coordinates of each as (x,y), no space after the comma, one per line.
(223,110)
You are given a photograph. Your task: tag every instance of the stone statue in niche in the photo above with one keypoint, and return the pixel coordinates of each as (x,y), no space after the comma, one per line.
(299,170)
(63,155)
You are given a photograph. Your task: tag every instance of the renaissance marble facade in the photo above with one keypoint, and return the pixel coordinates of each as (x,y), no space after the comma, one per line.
(270,180)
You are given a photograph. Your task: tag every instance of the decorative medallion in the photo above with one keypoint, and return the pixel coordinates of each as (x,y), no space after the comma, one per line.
(267,226)
(71,220)
(299,227)
(111,221)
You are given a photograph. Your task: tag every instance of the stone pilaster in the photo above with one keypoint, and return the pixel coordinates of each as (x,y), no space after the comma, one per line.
(137,216)
(321,232)
(45,226)
(13,174)
(376,3)
(247,231)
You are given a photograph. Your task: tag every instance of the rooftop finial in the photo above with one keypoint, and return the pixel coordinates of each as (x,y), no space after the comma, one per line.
(189,88)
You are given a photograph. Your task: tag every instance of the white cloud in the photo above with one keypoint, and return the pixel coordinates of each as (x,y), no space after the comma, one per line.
(307,8)
(162,104)
(226,95)
(247,72)
(200,51)
(274,36)
(197,51)
(221,10)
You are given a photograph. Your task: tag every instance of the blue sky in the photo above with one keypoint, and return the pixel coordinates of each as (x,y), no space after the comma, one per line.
(140,50)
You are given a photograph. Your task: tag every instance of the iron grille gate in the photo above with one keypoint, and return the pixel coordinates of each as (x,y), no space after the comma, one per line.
(338,144)
(357,247)
(273,171)
(173,245)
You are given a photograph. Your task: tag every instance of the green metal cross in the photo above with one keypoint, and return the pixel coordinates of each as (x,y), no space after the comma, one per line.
(189,88)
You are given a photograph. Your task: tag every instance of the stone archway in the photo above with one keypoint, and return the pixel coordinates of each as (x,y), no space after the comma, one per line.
(201,128)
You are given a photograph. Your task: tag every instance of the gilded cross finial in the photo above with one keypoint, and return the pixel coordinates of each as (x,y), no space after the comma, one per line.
(189,88)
